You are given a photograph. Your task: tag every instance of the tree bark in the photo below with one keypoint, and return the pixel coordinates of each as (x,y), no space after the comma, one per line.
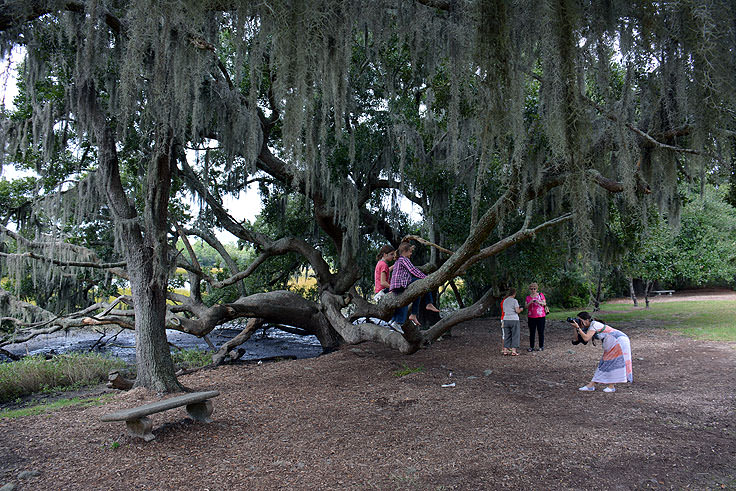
(597,300)
(147,257)
(632,292)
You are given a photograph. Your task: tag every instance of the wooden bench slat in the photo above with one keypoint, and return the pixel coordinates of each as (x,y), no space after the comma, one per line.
(158,406)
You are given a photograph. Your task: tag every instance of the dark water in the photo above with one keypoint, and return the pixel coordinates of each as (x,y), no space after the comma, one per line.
(274,343)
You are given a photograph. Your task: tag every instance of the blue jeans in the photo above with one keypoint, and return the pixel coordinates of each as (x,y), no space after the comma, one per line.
(401,313)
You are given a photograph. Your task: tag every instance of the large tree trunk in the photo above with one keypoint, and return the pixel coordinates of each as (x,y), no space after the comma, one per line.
(155,366)
(147,257)
(153,357)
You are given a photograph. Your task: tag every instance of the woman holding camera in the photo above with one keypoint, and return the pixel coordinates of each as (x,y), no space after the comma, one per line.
(615,365)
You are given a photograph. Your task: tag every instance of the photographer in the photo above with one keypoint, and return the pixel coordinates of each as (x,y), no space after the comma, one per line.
(615,365)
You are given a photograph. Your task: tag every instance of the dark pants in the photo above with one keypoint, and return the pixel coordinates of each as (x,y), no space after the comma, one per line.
(402,312)
(536,325)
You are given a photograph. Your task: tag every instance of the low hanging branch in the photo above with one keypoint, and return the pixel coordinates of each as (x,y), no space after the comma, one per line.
(58,262)
(613,117)
(252,326)
(515,238)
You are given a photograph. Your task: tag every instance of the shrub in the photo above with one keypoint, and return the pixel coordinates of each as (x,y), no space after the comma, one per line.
(191,358)
(63,372)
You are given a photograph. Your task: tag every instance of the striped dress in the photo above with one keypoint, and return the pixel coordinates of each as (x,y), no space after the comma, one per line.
(615,365)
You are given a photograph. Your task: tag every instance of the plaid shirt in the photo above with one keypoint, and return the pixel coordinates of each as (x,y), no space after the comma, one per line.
(402,273)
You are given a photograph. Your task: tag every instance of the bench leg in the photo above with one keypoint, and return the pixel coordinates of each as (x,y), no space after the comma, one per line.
(140,428)
(200,411)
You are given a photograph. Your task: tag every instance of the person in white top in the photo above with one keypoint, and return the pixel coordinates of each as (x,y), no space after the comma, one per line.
(510,310)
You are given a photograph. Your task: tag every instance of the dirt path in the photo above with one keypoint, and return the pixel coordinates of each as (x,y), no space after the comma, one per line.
(685,296)
(345,420)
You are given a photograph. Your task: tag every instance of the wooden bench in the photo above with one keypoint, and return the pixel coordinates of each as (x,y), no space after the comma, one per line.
(660,292)
(136,419)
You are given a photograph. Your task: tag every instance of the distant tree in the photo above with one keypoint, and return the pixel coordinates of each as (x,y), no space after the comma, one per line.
(705,245)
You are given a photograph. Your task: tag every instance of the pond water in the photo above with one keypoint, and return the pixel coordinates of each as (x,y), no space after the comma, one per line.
(272,343)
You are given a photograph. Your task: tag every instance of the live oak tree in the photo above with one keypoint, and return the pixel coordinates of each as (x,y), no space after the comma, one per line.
(529,113)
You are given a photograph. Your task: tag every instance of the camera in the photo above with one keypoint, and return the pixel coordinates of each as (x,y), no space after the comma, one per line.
(579,339)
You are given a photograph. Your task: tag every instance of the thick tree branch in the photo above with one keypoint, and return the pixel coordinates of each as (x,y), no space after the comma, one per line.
(14,13)
(58,262)
(265,244)
(512,239)
(252,326)
(359,333)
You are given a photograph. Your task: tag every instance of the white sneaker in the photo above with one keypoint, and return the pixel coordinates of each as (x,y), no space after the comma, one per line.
(585,388)
(396,327)
(609,389)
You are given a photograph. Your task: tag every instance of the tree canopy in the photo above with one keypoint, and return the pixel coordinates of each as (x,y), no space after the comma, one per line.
(500,120)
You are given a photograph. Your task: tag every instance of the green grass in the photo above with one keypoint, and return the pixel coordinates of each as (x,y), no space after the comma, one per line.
(52,406)
(191,358)
(706,320)
(64,372)
(407,370)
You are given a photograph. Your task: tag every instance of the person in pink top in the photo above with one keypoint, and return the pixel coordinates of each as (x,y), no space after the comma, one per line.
(536,307)
(382,273)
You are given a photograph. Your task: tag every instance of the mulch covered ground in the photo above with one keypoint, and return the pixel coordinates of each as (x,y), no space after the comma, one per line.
(347,420)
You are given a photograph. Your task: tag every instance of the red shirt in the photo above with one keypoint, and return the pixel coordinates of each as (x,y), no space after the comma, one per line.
(380,268)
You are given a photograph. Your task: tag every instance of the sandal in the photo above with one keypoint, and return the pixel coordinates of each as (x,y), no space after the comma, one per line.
(514,353)
(505,352)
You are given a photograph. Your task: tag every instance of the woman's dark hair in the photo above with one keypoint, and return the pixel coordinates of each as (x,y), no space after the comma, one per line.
(384,250)
(585,316)
(511,292)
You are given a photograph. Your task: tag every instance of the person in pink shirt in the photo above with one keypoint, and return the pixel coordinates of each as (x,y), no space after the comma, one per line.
(382,273)
(536,307)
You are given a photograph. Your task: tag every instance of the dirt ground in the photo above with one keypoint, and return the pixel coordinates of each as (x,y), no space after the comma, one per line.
(346,420)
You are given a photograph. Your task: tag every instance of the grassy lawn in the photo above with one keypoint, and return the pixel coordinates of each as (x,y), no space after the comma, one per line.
(712,320)
(52,406)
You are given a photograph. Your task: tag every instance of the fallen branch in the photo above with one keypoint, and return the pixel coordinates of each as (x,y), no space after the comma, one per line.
(252,326)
